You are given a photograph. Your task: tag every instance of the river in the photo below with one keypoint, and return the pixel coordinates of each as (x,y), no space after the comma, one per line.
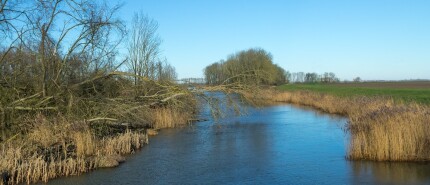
(279,144)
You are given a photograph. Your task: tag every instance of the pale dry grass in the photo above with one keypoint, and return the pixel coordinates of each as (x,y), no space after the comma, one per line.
(61,149)
(85,143)
(399,133)
(23,167)
(57,147)
(169,118)
(380,129)
(124,143)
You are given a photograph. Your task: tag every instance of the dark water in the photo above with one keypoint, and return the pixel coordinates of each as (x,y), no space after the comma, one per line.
(280,144)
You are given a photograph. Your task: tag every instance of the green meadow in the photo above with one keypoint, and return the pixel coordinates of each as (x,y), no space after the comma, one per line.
(400,91)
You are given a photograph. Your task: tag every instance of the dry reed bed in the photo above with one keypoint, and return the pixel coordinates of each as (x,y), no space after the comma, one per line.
(380,129)
(49,152)
(169,118)
(63,148)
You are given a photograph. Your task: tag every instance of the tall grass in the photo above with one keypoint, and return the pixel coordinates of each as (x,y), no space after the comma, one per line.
(169,118)
(62,149)
(397,133)
(34,168)
(53,146)
(381,129)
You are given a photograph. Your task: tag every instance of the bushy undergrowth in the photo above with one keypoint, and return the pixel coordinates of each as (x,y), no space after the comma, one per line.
(78,130)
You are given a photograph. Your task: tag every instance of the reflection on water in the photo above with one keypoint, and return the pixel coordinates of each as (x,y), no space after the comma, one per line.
(281,144)
(389,173)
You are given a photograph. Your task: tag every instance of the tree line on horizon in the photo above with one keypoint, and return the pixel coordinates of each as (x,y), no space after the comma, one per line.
(301,77)
(255,67)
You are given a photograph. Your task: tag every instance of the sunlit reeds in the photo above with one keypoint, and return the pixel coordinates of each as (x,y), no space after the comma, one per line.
(169,118)
(381,129)
(397,133)
(62,149)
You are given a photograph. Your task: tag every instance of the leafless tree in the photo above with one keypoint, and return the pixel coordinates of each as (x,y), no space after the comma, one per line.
(357,79)
(13,25)
(143,47)
(46,42)
(166,72)
(311,77)
(80,28)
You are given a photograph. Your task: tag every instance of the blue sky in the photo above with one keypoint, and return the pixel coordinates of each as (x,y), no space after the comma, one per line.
(372,39)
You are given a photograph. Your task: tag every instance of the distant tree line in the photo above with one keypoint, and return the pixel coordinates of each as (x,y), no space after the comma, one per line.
(301,77)
(250,67)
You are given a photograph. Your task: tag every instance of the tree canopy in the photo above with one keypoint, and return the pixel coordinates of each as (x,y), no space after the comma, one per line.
(252,67)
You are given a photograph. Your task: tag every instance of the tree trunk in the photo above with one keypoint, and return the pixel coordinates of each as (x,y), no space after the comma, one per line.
(2,120)
(43,62)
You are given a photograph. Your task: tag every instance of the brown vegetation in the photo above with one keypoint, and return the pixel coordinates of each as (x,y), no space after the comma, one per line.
(64,106)
(53,149)
(380,129)
(169,118)
(94,133)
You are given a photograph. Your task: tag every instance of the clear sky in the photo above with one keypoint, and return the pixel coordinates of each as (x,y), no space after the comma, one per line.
(372,39)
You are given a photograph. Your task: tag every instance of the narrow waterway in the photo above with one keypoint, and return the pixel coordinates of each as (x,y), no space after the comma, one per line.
(280,144)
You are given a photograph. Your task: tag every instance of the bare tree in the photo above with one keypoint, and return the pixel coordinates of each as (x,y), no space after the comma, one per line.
(143,47)
(288,77)
(166,72)
(43,40)
(356,79)
(300,77)
(311,77)
(64,28)
(13,25)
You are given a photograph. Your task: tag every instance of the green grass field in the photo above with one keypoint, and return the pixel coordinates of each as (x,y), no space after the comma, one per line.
(400,91)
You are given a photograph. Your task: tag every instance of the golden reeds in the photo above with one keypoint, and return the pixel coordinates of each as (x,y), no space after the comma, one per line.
(56,147)
(169,118)
(380,129)
(399,133)
(62,149)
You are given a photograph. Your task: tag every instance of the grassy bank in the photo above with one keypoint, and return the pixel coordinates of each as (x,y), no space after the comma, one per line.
(381,128)
(418,92)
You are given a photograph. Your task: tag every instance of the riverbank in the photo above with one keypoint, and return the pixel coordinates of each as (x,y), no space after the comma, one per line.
(57,147)
(381,128)
(80,133)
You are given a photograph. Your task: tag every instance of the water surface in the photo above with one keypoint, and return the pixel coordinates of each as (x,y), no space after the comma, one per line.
(281,144)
